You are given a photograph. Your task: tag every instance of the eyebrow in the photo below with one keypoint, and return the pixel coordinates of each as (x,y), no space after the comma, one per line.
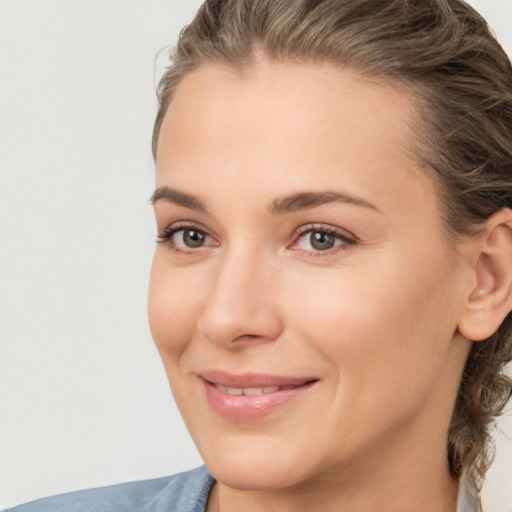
(279,206)
(305,200)
(179,198)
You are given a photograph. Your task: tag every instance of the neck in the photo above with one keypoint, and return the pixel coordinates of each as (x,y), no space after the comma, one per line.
(378,489)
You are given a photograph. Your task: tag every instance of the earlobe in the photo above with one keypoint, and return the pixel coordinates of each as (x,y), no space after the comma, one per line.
(489,302)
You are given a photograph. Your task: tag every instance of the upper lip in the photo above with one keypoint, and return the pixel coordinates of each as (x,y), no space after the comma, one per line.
(251,380)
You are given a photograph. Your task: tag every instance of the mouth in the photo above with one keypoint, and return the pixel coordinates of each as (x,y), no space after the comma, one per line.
(250,397)
(252,391)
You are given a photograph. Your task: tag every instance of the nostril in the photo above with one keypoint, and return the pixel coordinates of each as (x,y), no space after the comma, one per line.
(249,336)
(228,326)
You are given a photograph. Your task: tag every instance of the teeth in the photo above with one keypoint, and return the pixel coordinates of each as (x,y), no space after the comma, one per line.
(251,391)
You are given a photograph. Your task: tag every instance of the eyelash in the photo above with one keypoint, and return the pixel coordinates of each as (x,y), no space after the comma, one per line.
(346,240)
(167,237)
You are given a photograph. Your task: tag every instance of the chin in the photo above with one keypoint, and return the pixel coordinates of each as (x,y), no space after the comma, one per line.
(256,464)
(245,475)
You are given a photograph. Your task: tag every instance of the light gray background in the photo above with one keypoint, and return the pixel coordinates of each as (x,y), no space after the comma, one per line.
(84,399)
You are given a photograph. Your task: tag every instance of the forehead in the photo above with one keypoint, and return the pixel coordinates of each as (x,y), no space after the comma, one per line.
(314,124)
(216,97)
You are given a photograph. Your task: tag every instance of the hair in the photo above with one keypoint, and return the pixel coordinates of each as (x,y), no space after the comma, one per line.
(461,82)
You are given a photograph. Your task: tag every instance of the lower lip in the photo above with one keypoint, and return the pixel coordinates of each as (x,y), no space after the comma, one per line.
(250,407)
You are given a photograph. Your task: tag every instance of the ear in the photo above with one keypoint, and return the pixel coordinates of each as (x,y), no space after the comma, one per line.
(490,300)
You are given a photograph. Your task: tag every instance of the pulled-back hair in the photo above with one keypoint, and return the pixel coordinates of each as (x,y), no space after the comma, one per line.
(461,82)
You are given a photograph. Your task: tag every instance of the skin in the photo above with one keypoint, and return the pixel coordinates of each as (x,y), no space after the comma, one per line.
(375,319)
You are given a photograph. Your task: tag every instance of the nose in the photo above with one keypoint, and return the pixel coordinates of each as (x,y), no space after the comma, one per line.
(241,307)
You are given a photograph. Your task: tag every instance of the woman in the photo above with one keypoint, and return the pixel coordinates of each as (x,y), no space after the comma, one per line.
(332,289)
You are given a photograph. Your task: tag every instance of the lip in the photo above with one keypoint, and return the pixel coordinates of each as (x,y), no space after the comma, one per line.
(245,408)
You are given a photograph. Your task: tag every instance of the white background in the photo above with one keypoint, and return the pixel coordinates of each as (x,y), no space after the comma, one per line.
(84,399)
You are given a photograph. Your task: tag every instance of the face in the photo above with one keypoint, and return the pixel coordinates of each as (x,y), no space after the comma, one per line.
(303,297)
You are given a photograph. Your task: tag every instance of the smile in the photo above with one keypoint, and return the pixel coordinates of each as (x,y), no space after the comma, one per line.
(252,391)
(251,397)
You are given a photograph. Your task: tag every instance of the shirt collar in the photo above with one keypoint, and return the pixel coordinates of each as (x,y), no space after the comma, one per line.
(469,500)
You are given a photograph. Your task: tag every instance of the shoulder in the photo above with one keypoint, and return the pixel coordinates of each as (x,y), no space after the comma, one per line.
(185,492)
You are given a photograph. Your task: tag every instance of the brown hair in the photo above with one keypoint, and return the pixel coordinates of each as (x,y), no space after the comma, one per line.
(462,82)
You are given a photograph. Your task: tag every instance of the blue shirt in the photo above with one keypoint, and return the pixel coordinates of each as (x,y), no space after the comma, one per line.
(185,492)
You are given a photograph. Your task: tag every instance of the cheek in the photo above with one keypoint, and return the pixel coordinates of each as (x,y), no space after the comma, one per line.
(173,309)
(384,349)
(382,327)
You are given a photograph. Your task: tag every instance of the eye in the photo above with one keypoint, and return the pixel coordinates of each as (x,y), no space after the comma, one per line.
(318,240)
(185,238)
(191,238)
(322,239)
